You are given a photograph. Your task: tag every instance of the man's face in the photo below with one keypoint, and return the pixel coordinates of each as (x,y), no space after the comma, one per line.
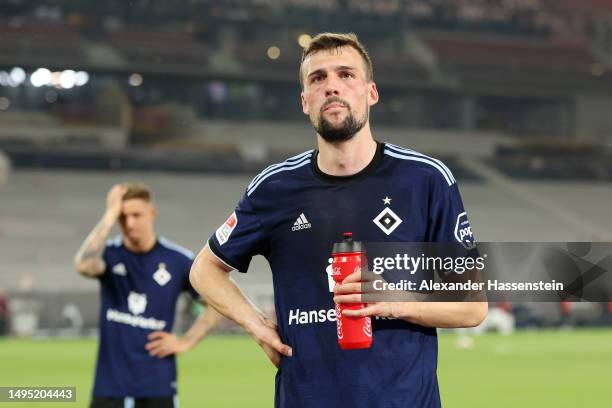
(337,95)
(137,219)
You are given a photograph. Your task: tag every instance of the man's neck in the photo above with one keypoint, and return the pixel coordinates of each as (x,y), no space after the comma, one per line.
(140,246)
(346,158)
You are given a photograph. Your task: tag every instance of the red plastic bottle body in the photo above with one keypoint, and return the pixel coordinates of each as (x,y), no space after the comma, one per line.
(353,332)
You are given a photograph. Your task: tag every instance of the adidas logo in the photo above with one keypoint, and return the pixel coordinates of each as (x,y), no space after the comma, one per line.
(301,223)
(119,269)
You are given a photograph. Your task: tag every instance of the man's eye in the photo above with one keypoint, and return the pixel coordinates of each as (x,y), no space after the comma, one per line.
(346,75)
(317,78)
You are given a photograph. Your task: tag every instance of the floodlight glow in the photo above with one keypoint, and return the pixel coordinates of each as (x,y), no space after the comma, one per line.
(135,79)
(18,75)
(55,79)
(274,52)
(304,40)
(67,79)
(81,78)
(40,77)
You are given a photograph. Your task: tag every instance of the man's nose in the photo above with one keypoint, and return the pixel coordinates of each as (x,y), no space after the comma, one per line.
(331,86)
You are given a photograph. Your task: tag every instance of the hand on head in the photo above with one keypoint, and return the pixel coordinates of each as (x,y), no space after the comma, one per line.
(114,199)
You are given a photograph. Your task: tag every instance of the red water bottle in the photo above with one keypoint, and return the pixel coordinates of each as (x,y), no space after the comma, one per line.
(353,332)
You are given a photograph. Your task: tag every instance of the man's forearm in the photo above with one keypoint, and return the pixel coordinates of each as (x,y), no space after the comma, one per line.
(88,259)
(467,313)
(221,292)
(210,277)
(202,326)
(441,314)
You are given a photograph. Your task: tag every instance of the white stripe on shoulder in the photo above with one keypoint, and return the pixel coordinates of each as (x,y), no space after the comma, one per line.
(114,242)
(419,159)
(176,247)
(304,161)
(129,402)
(288,162)
(415,153)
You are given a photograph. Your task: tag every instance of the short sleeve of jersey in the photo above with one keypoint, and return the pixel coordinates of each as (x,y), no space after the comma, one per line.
(449,223)
(240,237)
(448,220)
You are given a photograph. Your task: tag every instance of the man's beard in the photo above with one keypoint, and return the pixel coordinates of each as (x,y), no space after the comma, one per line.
(342,132)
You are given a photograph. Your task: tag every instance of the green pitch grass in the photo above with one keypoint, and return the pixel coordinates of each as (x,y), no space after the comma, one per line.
(527,369)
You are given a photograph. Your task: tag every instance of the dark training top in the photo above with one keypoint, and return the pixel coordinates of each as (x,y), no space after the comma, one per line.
(292,213)
(138,296)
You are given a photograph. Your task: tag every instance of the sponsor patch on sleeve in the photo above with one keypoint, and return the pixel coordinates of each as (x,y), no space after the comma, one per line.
(463,231)
(225,230)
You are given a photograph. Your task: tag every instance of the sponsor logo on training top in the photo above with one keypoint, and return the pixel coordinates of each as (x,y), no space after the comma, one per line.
(463,231)
(225,230)
(301,223)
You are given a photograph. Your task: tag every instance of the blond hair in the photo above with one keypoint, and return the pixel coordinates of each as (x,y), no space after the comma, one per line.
(137,190)
(328,41)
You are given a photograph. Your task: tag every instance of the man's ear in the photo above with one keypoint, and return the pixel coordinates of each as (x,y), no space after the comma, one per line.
(372,94)
(154,212)
(305,107)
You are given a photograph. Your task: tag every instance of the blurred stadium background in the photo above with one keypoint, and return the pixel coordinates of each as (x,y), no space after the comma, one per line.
(195,96)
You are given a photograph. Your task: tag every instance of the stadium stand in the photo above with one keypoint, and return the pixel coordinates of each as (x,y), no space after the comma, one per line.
(587,163)
(167,51)
(524,63)
(461,80)
(36,43)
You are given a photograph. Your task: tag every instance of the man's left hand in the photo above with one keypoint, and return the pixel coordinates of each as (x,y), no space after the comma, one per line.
(163,344)
(350,291)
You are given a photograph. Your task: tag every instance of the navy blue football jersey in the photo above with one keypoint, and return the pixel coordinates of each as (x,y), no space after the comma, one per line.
(292,213)
(138,296)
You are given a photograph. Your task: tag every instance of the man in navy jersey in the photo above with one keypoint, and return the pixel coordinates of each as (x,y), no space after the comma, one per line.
(294,211)
(141,276)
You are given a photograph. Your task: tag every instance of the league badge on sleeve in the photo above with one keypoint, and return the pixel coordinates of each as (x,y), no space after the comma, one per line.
(224,231)
(463,232)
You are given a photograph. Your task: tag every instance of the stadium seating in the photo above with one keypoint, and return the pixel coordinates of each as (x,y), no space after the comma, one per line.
(471,52)
(586,163)
(166,51)
(36,43)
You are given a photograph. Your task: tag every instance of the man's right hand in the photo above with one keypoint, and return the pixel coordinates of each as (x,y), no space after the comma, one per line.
(265,333)
(114,200)
(210,277)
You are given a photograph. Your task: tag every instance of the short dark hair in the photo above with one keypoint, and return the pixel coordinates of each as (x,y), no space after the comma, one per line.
(137,190)
(327,41)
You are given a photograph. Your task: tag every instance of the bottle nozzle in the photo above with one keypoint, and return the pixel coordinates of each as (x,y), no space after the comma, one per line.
(348,236)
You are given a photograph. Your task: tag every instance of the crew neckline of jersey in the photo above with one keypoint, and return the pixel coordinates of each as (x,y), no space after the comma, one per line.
(157,243)
(366,171)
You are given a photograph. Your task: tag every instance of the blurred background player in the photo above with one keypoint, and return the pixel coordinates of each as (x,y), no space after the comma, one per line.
(141,276)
